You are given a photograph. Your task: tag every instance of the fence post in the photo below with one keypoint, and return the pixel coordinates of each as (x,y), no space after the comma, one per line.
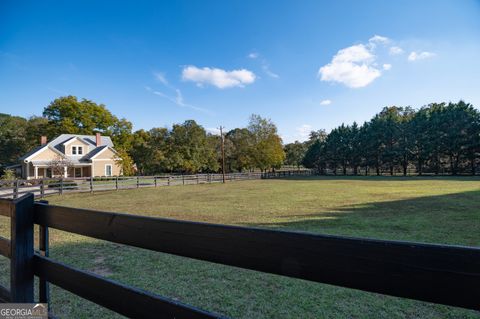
(15,189)
(168,180)
(91,184)
(155,180)
(43,287)
(138,182)
(197,178)
(61,186)
(116,183)
(21,261)
(42,188)
(183,179)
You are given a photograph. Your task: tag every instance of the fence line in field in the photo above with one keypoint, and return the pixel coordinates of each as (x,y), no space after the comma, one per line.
(49,186)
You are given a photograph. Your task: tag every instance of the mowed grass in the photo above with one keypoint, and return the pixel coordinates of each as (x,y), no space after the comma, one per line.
(436,210)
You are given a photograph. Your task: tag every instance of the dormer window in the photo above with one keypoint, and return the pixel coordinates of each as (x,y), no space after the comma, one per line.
(77,150)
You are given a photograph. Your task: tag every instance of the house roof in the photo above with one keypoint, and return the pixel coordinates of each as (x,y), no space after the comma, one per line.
(33,151)
(56,145)
(89,139)
(94,152)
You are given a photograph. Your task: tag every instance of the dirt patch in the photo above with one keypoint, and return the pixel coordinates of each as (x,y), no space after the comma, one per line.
(100,268)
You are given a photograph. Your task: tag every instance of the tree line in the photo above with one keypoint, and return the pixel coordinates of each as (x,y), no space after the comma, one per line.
(440,138)
(184,148)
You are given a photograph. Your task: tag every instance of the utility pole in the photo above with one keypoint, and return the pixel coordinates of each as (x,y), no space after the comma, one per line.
(223,153)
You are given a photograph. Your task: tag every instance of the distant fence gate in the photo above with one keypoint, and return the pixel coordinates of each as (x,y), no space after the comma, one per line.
(49,186)
(442,274)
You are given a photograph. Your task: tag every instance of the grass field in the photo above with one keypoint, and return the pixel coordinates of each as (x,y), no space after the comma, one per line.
(436,210)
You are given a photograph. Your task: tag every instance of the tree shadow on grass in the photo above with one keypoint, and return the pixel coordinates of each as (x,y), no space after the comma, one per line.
(451,219)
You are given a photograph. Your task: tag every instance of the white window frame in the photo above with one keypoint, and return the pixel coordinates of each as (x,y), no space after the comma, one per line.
(78,149)
(111,169)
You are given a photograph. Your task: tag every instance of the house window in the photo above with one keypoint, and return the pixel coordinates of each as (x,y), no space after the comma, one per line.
(77,150)
(108,170)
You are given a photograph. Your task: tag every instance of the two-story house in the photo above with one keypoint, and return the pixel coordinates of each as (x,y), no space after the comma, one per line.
(71,155)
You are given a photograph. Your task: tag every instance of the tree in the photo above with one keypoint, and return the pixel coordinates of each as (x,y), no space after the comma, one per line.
(189,150)
(68,115)
(13,138)
(59,165)
(294,153)
(125,162)
(315,156)
(239,145)
(267,144)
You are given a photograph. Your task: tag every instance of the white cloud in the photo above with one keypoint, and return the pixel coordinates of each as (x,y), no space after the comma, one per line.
(303,131)
(326,102)
(379,39)
(213,130)
(352,66)
(266,69)
(177,99)
(253,55)
(160,76)
(414,56)
(387,66)
(395,50)
(217,77)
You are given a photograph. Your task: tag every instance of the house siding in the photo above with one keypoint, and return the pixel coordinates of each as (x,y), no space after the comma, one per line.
(67,149)
(99,167)
(104,158)
(45,155)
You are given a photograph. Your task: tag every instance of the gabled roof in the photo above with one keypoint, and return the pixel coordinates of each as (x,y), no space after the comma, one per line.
(38,149)
(56,145)
(94,152)
(89,139)
(33,151)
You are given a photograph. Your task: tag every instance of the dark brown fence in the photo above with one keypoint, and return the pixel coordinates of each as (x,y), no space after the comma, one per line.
(49,186)
(442,274)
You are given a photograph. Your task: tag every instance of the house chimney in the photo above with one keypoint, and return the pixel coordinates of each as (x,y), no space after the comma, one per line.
(43,140)
(98,139)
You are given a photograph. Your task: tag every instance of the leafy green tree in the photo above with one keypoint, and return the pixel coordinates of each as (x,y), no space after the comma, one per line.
(239,146)
(315,156)
(125,162)
(13,138)
(69,115)
(189,149)
(267,144)
(294,153)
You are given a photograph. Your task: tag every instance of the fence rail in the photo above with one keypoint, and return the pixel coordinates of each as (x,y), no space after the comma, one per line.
(442,274)
(49,186)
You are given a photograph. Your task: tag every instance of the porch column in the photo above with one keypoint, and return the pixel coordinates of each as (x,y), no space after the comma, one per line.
(65,171)
(36,171)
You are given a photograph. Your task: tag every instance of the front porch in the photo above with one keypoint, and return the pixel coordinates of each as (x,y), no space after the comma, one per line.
(44,171)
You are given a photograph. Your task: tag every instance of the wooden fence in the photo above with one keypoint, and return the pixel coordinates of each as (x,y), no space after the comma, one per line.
(49,186)
(442,274)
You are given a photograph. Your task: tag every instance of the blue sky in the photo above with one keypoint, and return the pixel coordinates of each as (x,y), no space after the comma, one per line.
(304,64)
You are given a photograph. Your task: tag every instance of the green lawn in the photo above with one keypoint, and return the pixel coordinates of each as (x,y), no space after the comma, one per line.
(438,210)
